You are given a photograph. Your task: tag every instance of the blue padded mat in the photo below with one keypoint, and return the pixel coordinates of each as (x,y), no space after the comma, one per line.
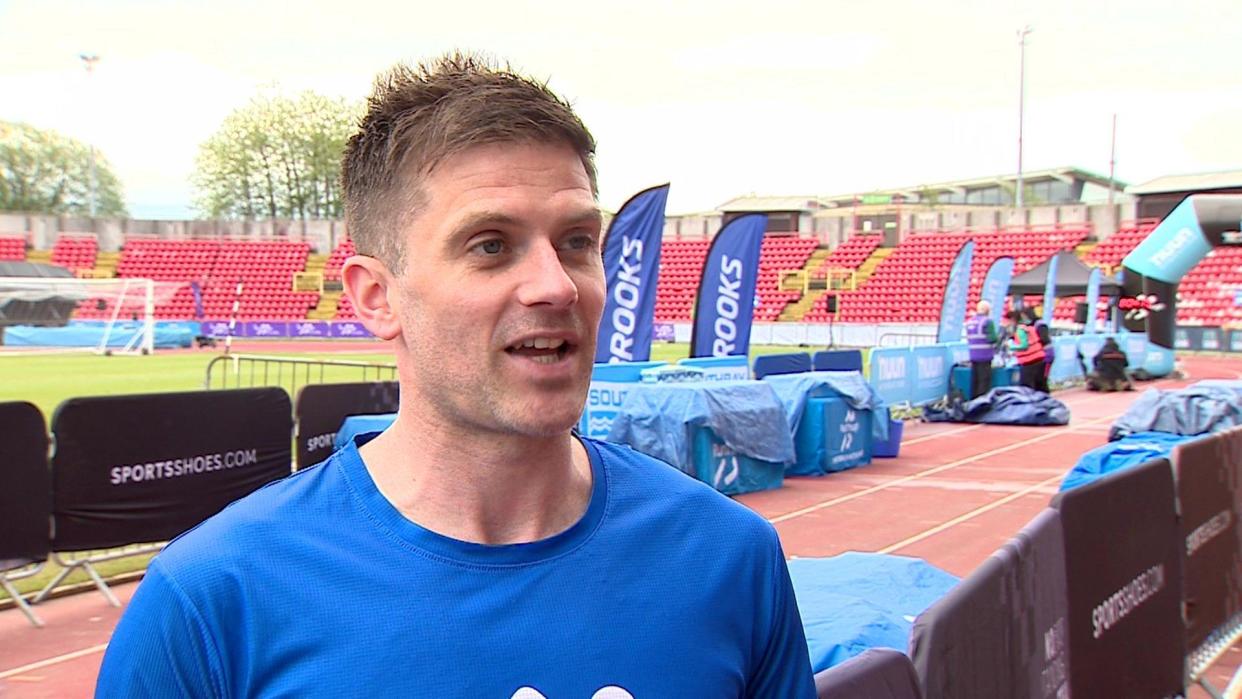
(1132,450)
(1004,405)
(746,415)
(89,335)
(1206,407)
(856,601)
(794,389)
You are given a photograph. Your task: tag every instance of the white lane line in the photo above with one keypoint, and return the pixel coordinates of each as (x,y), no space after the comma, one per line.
(967,516)
(52,661)
(931,471)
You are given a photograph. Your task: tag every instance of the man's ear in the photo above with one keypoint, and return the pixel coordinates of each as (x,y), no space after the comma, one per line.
(367,283)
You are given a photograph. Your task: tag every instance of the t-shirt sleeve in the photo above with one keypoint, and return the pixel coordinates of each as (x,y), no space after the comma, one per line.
(785,668)
(161,647)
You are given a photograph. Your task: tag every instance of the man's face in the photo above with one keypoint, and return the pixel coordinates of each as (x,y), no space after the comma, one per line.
(502,290)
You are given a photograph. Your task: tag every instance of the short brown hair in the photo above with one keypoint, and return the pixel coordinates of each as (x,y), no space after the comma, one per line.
(418,116)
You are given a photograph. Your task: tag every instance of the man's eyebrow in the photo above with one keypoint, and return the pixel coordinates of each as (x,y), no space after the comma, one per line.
(586,217)
(483,220)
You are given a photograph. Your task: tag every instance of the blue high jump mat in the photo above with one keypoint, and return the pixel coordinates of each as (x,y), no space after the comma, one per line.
(856,601)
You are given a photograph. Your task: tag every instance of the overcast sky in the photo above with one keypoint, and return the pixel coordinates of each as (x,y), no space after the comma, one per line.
(721,98)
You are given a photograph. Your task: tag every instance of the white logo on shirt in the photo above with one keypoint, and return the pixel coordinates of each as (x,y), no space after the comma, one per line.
(609,692)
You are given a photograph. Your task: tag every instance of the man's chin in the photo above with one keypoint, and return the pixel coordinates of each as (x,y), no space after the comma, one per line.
(544,421)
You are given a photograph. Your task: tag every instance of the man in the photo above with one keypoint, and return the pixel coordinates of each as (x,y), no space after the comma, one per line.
(1110,369)
(981,341)
(1027,350)
(477,548)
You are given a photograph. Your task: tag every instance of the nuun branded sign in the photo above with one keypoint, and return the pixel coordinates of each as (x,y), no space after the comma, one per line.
(1173,248)
(631,257)
(726,302)
(890,374)
(931,373)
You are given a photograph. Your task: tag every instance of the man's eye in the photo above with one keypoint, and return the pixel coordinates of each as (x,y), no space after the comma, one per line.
(490,247)
(580,242)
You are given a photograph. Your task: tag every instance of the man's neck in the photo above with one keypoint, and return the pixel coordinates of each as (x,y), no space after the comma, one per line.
(480,488)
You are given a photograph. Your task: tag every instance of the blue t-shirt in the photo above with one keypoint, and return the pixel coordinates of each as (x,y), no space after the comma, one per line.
(316,585)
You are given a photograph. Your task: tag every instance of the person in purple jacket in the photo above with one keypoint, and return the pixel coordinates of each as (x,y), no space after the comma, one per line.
(981,339)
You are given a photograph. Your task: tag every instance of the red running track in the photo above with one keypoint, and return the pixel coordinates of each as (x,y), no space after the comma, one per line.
(954,495)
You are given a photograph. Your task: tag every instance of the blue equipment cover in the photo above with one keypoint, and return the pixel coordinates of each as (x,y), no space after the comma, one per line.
(792,363)
(837,360)
(856,601)
(795,389)
(1197,409)
(1004,405)
(1132,450)
(355,425)
(89,335)
(746,415)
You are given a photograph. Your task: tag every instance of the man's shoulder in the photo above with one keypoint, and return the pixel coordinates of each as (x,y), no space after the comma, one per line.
(253,522)
(641,482)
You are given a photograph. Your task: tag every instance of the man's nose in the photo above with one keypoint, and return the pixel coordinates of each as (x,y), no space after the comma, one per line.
(545,280)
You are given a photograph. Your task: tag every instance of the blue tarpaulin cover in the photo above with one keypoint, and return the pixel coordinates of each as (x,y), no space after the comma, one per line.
(90,334)
(794,389)
(1004,405)
(1199,409)
(1135,449)
(746,415)
(856,601)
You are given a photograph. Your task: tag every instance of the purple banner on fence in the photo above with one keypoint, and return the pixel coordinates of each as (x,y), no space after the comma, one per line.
(309,328)
(349,328)
(215,328)
(664,332)
(264,328)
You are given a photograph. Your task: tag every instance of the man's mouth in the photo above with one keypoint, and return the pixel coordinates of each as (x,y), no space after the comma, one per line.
(543,350)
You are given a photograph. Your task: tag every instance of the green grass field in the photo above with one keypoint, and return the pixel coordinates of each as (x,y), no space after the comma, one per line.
(47,380)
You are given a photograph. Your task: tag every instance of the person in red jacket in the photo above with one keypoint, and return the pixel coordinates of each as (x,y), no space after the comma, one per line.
(1028,350)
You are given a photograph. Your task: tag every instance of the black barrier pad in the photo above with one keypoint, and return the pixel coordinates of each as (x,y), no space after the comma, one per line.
(1002,631)
(131,469)
(876,673)
(1208,473)
(321,408)
(25,483)
(1124,574)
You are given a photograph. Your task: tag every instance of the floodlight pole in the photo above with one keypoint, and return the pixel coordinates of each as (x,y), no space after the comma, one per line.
(1021,104)
(1112,165)
(90,59)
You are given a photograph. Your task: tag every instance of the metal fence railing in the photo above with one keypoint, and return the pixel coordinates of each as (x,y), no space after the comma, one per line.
(249,371)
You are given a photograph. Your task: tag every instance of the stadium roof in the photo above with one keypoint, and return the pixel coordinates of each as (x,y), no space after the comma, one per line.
(1189,183)
(760,204)
(1064,174)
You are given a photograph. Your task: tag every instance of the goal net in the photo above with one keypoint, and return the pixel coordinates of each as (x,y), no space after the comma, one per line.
(120,313)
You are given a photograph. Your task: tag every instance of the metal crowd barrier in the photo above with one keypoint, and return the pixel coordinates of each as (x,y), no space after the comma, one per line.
(251,370)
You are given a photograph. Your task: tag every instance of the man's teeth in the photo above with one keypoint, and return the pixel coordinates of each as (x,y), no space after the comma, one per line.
(541,343)
(546,358)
